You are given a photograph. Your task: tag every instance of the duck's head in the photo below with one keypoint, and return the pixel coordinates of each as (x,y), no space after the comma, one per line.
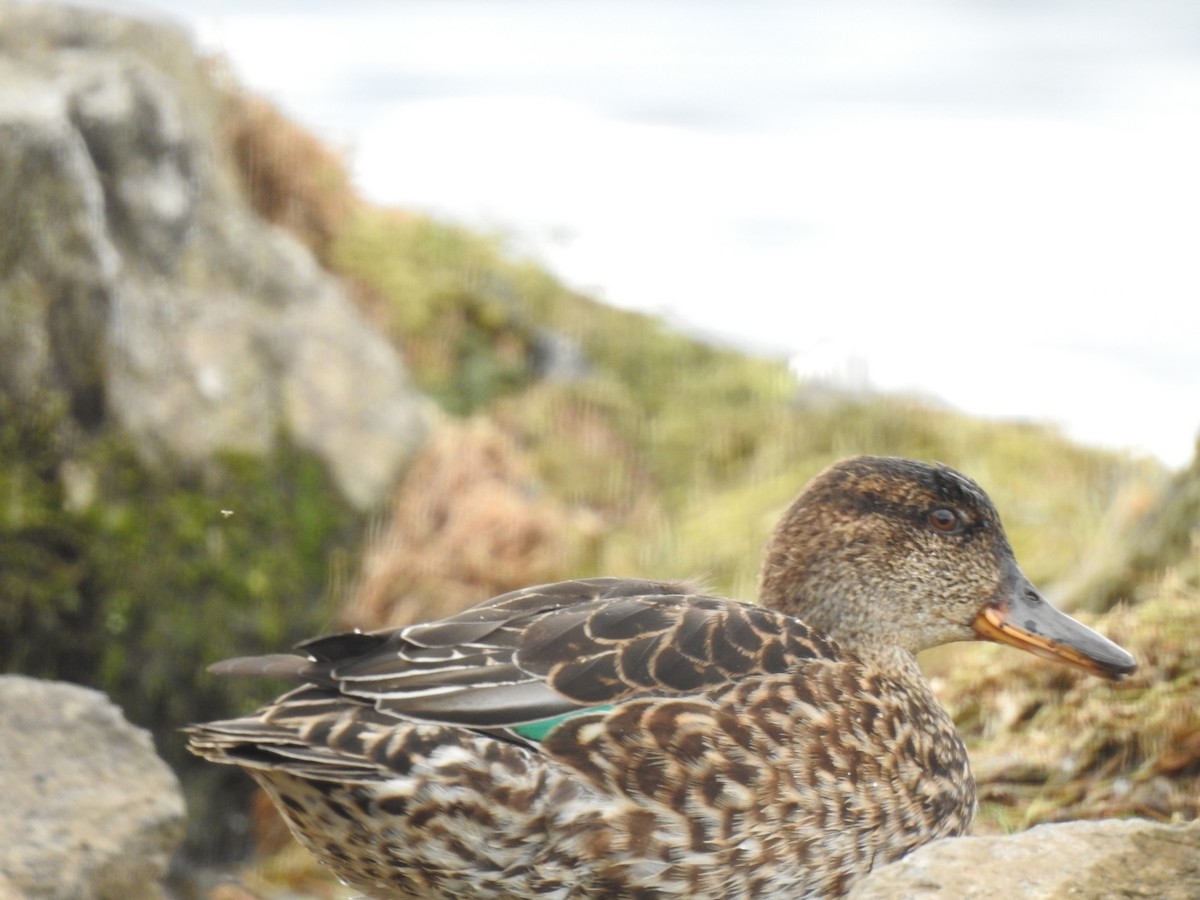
(885,554)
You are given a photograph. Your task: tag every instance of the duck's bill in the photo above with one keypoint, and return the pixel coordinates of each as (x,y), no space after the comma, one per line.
(1023,619)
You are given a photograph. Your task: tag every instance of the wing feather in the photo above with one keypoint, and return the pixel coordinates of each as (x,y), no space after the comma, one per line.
(554,650)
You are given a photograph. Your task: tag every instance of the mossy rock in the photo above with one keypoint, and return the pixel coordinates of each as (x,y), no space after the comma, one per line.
(132,581)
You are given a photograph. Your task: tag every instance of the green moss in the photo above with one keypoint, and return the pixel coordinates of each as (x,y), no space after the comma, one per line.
(450,301)
(43,566)
(180,584)
(154,577)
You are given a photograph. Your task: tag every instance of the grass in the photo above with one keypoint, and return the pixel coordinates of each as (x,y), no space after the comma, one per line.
(1050,745)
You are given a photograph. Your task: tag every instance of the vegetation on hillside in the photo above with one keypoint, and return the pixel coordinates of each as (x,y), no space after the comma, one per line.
(1150,536)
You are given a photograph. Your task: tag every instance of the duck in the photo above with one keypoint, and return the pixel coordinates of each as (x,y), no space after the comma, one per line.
(613,737)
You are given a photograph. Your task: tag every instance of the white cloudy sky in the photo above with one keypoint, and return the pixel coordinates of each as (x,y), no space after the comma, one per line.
(997,204)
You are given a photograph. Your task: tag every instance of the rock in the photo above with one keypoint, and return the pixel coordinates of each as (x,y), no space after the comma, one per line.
(1092,859)
(136,283)
(90,812)
(558,356)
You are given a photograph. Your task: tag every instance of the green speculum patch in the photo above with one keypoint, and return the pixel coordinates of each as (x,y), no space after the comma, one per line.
(539,728)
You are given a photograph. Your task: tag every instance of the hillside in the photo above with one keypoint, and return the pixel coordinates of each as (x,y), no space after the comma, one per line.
(682,451)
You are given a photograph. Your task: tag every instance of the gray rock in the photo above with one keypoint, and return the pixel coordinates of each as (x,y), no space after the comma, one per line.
(557,356)
(1095,859)
(137,284)
(89,811)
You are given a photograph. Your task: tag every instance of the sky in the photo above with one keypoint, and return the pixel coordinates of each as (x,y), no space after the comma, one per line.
(995,204)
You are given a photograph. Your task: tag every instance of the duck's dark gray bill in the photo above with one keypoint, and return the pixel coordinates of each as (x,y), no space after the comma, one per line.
(1022,618)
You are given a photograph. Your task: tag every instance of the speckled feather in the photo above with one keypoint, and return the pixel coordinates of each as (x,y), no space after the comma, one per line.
(710,749)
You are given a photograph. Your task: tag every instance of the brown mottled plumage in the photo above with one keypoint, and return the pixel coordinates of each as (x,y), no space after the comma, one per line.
(618,738)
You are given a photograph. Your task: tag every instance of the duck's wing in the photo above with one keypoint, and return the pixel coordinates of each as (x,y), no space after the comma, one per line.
(542,653)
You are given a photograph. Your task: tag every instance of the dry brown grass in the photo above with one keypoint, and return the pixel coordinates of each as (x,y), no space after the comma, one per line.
(468,522)
(1049,744)
(289,177)
(578,437)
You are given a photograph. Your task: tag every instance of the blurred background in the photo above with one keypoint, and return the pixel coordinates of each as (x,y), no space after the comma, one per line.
(993,204)
(314,319)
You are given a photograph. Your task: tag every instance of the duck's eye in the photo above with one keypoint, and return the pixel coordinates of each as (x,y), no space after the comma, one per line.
(945,520)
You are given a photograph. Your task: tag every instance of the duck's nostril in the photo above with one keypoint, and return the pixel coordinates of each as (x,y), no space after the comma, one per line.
(1033,596)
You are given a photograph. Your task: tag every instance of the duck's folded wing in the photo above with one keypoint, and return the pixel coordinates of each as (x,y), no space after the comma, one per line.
(558,649)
